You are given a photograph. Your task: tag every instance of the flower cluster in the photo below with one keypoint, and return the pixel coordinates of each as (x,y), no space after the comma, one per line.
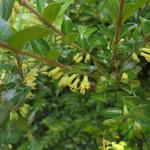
(30,78)
(79,57)
(74,81)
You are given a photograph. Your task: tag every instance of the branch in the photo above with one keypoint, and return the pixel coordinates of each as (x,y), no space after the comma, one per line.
(118,28)
(26,5)
(38,57)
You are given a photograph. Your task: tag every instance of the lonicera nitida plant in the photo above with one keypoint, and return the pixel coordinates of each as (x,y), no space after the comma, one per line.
(74,75)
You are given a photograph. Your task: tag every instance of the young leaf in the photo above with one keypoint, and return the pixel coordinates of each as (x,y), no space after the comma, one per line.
(5,30)
(67,25)
(51,11)
(113,5)
(23,37)
(6,8)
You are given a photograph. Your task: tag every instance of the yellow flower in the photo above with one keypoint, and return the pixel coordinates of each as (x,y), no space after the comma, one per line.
(147,50)
(53,72)
(85,84)
(124,76)
(74,85)
(13,116)
(71,78)
(24,66)
(44,68)
(87,58)
(78,58)
(64,81)
(147,56)
(29,95)
(24,110)
(31,77)
(135,57)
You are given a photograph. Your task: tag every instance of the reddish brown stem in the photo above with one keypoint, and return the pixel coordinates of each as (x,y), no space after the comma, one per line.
(118,28)
(38,57)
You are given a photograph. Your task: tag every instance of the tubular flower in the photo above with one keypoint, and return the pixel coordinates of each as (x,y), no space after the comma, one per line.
(85,84)
(87,58)
(124,76)
(24,110)
(135,58)
(71,78)
(30,78)
(147,50)
(43,70)
(64,81)
(78,58)
(53,72)
(58,75)
(13,116)
(74,85)
(146,56)
(29,95)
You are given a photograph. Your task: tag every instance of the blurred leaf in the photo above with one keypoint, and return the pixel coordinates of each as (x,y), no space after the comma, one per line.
(7,6)
(24,146)
(5,30)
(40,5)
(145,25)
(51,11)
(23,37)
(53,54)
(71,37)
(132,8)
(67,25)
(40,46)
(4,112)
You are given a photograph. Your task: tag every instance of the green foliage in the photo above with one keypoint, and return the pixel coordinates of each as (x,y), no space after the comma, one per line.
(78,90)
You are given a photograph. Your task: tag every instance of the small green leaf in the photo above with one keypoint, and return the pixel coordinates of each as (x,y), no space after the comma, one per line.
(51,11)
(71,37)
(5,30)
(111,112)
(145,25)
(23,37)
(67,25)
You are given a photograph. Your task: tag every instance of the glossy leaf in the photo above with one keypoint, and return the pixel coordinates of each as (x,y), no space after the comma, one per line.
(20,39)
(67,25)
(71,37)
(40,46)
(51,11)
(6,8)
